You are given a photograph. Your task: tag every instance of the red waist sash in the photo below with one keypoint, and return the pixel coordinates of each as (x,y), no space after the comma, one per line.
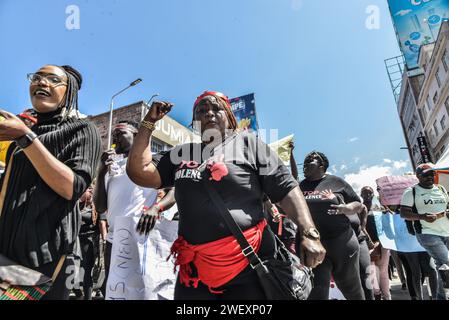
(217,262)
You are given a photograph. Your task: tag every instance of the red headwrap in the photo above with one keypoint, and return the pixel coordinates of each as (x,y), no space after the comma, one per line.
(215,94)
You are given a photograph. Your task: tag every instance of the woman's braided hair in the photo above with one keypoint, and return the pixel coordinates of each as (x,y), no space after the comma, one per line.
(74,81)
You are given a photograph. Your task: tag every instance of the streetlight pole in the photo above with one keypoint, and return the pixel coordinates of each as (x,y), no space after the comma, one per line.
(111,107)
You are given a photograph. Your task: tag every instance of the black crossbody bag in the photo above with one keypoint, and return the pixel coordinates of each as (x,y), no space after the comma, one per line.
(282,277)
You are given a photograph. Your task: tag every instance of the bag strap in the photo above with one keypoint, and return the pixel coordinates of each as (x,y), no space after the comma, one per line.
(414,209)
(442,190)
(58,268)
(247,249)
(416,224)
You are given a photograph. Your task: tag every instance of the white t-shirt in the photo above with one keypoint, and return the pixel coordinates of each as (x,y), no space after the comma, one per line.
(125,199)
(139,269)
(429,201)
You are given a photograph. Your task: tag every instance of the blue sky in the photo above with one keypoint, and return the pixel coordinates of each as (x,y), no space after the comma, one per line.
(315,69)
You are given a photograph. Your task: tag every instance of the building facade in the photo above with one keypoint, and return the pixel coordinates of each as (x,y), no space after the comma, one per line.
(411,119)
(433,101)
(423,105)
(167,134)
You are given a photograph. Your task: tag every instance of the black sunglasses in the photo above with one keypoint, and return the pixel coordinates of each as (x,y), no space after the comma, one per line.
(428,174)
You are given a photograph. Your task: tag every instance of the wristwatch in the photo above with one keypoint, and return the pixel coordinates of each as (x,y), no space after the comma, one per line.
(311,233)
(25,140)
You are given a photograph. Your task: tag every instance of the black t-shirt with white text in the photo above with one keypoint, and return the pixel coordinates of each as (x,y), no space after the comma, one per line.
(242,170)
(320,195)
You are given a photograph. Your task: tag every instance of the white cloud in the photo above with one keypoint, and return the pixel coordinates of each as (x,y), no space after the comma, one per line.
(403,12)
(333,169)
(353,139)
(366,176)
(400,164)
(388,161)
(343,167)
(356,159)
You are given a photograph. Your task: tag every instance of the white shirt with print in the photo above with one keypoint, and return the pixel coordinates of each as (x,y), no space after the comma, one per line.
(429,201)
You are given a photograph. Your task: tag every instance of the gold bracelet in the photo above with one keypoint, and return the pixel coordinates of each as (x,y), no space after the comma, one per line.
(149,125)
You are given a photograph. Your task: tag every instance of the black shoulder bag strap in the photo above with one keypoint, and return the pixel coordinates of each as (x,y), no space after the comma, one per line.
(247,249)
(414,200)
(416,224)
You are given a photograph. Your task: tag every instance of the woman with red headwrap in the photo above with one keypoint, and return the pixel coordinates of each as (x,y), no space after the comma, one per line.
(242,169)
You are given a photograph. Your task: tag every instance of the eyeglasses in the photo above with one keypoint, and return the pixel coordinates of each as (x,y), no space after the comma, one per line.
(52,79)
(428,174)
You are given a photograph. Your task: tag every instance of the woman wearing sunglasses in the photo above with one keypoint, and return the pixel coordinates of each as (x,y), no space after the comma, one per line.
(48,169)
(242,169)
(331,200)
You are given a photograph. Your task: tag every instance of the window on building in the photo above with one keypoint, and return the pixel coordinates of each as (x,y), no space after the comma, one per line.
(424,114)
(411,127)
(435,129)
(437,76)
(443,123)
(442,149)
(431,137)
(446,103)
(446,60)
(435,98)
(415,149)
(428,103)
(156,146)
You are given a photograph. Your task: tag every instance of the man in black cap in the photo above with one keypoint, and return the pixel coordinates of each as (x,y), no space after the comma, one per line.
(426,205)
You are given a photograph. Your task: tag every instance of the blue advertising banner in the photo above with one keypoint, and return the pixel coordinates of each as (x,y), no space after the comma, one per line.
(244,109)
(417,23)
(393,234)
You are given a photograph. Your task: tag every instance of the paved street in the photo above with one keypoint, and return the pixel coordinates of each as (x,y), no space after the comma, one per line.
(398,294)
